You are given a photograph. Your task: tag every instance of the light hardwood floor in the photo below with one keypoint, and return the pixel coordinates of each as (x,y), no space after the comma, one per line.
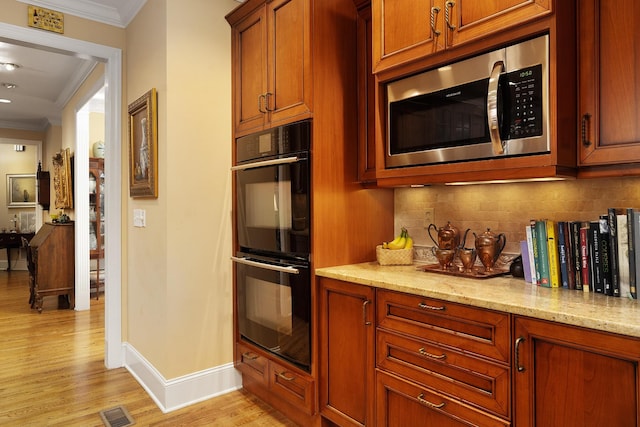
(52,372)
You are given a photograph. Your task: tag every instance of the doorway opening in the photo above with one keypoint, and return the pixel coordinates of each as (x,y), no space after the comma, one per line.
(112,58)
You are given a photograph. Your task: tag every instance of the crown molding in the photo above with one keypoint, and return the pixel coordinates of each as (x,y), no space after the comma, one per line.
(118,16)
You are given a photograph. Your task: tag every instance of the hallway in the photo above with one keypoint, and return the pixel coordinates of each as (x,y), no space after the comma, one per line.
(52,372)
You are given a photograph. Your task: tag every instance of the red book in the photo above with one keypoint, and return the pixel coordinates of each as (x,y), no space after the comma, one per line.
(585,268)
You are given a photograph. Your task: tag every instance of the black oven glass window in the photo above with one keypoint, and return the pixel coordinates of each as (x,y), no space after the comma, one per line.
(447,118)
(273,209)
(274,311)
(268,205)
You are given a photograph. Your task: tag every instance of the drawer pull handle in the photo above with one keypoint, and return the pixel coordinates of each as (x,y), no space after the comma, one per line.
(447,8)
(249,355)
(431,307)
(422,400)
(519,341)
(434,16)
(284,376)
(364,312)
(423,352)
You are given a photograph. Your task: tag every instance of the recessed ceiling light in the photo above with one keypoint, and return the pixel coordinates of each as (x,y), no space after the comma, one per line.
(9,66)
(9,85)
(5,101)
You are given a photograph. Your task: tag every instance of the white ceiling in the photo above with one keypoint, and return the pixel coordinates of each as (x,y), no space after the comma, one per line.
(47,80)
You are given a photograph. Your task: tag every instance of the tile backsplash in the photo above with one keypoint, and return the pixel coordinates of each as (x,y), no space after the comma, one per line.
(507,208)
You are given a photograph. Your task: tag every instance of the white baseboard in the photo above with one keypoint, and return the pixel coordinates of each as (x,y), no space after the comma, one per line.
(183,391)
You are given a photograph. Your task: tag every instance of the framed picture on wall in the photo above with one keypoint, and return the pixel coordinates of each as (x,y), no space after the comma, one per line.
(143,146)
(62,179)
(21,190)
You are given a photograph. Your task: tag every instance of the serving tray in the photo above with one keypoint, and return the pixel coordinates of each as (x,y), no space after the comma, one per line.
(476,273)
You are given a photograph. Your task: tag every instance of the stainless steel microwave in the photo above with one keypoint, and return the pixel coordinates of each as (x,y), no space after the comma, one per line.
(492,105)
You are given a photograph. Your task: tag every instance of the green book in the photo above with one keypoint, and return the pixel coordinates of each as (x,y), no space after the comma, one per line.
(543,253)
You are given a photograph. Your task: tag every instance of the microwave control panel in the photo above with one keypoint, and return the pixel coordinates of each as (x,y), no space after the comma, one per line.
(524,99)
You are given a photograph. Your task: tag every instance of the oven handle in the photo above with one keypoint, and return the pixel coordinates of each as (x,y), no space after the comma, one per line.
(248,261)
(283,161)
(492,108)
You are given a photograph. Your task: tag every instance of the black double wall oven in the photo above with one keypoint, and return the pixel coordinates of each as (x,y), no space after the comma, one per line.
(273,279)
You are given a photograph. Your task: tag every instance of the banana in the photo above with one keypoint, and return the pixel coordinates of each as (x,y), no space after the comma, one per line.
(399,244)
(409,243)
(403,241)
(392,244)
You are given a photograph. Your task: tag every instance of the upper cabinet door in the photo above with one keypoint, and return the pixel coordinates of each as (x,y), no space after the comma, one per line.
(408,30)
(289,66)
(272,66)
(250,71)
(404,30)
(467,21)
(609,59)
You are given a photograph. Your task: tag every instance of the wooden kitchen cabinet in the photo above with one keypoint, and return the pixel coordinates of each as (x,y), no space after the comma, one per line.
(558,20)
(609,89)
(454,360)
(402,403)
(346,356)
(271,57)
(407,30)
(366,97)
(569,376)
(262,374)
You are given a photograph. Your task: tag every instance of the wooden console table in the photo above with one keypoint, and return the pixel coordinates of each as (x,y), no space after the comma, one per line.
(10,240)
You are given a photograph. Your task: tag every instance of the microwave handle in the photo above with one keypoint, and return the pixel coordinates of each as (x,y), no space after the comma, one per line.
(250,262)
(273,162)
(492,108)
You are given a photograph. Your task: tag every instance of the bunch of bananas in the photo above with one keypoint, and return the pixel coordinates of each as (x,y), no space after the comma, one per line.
(403,241)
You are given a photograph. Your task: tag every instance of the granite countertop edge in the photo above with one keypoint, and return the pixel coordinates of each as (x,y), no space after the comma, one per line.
(504,293)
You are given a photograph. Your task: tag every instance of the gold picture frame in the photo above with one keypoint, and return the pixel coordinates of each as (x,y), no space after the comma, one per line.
(62,180)
(143,146)
(21,190)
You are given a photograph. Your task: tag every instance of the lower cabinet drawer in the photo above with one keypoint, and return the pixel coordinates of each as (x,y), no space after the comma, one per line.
(400,403)
(252,364)
(476,381)
(292,387)
(474,330)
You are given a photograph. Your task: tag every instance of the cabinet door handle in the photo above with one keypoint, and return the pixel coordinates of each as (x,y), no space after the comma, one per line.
(260,108)
(423,352)
(268,102)
(586,120)
(364,312)
(434,14)
(448,6)
(519,341)
(431,307)
(284,376)
(422,400)
(249,355)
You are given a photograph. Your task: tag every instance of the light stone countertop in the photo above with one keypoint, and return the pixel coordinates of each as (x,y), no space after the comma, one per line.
(505,293)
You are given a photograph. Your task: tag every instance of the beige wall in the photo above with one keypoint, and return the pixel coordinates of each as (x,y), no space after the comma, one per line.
(179,296)
(507,208)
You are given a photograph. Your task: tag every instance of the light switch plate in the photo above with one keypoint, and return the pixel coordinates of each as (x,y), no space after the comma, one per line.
(139,218)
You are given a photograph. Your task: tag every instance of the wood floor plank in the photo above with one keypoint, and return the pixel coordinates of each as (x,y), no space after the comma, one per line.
(52,372)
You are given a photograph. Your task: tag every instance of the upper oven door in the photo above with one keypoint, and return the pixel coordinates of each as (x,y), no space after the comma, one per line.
(272,210)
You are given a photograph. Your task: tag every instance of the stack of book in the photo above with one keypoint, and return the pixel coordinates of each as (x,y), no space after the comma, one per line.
(601,256)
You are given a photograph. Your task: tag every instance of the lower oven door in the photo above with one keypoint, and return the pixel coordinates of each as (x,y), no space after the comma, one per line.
(274,306)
